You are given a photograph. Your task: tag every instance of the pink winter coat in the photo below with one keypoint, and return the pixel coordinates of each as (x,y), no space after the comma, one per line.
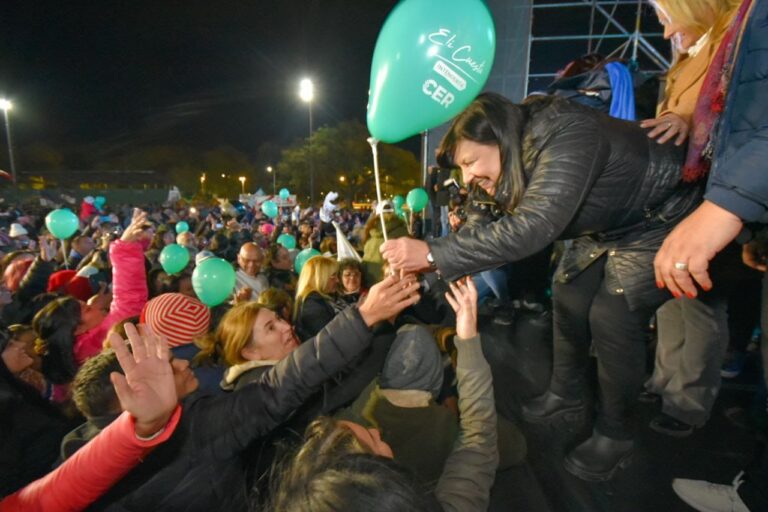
(129,294)
(90,472)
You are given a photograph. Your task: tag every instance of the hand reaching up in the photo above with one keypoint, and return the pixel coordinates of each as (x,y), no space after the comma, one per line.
(389,297)
(147,389)
(136,227)
(463,300)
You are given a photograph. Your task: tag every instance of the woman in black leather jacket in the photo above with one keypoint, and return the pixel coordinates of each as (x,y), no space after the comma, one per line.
(560,171)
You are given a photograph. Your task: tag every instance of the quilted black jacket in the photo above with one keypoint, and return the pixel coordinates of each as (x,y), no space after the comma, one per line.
(203,465)
(594,179)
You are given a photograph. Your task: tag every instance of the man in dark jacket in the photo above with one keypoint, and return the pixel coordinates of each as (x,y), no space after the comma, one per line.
(203,465)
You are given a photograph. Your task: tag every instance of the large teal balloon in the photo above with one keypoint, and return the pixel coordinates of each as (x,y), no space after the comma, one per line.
(270,209)
(174,258)
(213,280)
(286,240)
(181,227)
(284,194)
(62,223)
(417,199)
(303,257)
(432,58)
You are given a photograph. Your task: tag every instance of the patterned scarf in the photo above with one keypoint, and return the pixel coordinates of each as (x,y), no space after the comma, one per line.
(711,101)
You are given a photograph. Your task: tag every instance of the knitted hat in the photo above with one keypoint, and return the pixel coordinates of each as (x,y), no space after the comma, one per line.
(69,283)
(178,317)
(413,362)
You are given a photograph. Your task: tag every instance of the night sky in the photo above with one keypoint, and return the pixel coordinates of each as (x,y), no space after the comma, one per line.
(111,75)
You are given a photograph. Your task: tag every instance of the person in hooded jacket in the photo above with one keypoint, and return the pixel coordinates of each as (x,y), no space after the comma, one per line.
(556,170)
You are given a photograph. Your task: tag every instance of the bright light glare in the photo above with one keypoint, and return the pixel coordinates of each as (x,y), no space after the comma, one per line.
(306,90)
(5,104)
(269,168)
(242,179)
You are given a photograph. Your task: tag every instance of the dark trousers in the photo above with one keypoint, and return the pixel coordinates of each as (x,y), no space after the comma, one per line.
(586,312)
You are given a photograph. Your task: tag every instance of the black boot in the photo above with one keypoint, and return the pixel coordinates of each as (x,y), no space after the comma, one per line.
(599,458)
(549,407)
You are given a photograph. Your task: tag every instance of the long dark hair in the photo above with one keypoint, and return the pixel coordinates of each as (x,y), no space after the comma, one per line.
(55,326)
(494,120)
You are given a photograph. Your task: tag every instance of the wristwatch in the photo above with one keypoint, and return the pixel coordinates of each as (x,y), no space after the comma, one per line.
(431,261)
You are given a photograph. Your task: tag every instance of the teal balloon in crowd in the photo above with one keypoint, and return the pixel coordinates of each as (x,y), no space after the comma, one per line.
(303,257)
(417,199)
(62,223)
(174,258)
(432,58)
(287,241)
(270,209)
(99,202)
(213,281)
(398,202)
(181,227)
(284,194)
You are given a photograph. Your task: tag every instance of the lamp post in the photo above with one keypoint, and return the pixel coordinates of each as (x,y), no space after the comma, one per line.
(307,95)
(274,179)
(242,184)
(6,105)
(202,183)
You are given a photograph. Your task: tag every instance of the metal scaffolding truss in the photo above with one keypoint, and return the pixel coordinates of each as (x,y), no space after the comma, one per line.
(563,30)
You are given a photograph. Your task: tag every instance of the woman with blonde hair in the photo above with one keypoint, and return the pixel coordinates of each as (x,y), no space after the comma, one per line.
(317,301)
(692,332)
(249,337)
(696,28)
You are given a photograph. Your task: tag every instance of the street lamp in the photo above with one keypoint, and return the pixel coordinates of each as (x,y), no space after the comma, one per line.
(274,179)
(242,183)
(342,179)
(6,105)
(202,183)
(307,95)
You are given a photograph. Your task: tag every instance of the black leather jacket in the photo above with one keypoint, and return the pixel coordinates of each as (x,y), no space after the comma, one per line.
(594,179)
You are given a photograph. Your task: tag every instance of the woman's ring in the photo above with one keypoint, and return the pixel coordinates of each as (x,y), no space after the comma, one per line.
(681,266)
(669,125)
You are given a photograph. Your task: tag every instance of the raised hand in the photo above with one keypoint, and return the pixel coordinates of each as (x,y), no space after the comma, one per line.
(47,248)
(136,227)
(147,389)
(463,299)
(389,297)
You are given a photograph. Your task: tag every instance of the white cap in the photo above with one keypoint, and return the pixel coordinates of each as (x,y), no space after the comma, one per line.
(17,230)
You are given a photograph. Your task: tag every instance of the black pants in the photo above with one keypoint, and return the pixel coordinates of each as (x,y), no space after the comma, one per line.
(586,312)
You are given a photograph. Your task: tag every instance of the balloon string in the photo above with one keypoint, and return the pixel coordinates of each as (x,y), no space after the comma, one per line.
(375,150)
(64,253)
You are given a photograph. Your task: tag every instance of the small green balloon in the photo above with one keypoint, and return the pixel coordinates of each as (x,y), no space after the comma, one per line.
(284,194)
(417,199)
(181,227)
(62,223)
(398,202)
(213,281)
(287,241)
(270,209)
(303,257)
(174,258)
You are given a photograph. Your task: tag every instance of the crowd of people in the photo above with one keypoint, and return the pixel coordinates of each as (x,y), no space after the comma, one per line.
(360,382)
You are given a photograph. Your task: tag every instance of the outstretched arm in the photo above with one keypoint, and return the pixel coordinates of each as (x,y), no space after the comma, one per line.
(470,469)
